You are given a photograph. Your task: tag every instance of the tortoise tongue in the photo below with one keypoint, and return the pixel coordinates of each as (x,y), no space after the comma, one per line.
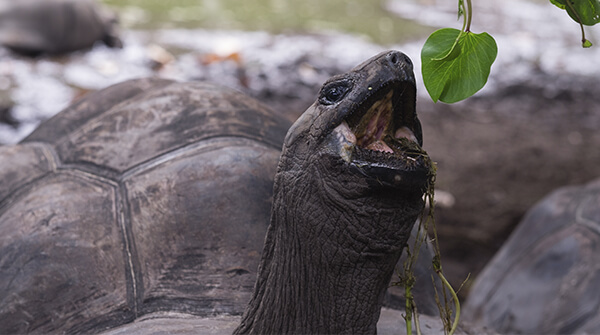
(377,125)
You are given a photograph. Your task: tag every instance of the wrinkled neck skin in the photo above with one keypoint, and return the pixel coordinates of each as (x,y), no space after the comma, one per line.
(330,250)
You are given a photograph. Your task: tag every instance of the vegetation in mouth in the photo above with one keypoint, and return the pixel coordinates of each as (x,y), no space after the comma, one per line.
(408,149)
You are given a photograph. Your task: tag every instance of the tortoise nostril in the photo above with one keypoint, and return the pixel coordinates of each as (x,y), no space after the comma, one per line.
(397,58)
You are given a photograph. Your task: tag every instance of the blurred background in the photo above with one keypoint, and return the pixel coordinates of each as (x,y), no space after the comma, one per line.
(533,128)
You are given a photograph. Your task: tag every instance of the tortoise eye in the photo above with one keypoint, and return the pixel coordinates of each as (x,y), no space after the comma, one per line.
(334,92)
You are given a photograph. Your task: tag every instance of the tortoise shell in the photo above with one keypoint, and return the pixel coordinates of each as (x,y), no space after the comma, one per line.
(545,278)
(33,27)
(148,196)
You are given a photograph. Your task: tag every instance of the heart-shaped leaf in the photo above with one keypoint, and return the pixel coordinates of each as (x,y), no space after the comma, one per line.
(586,10)
(456,64)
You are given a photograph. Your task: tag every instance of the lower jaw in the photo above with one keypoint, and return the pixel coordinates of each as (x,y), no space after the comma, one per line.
(407,181)
(410,171)
(400,164)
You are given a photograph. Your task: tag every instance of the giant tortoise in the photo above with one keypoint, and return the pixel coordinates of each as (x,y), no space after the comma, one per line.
(143,208)
(33,27)
(546,278)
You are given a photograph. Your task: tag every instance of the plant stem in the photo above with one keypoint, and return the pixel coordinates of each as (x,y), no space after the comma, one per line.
(583,39)
(409,312)
(469,15)
(456,302)
(408,278)
(417,324)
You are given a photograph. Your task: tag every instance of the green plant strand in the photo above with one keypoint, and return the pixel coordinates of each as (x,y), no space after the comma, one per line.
(407,279)
(417,324)
(410,305)
(456,302)
(437,266)
(408,320)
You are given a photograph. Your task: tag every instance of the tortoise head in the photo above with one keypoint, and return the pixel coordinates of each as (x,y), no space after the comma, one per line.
(348,190)
(110,23)
(365,121)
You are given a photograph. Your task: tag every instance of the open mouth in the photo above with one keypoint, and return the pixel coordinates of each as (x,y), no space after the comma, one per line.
(382,136)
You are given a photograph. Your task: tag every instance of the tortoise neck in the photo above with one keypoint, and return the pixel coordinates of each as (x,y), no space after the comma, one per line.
(314,277)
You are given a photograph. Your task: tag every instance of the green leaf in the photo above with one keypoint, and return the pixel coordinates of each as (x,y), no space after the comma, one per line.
(455,71)
(559,3)
(586,10)
(586,44)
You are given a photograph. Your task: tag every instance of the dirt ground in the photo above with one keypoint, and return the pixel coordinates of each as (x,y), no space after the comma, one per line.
(498,155)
